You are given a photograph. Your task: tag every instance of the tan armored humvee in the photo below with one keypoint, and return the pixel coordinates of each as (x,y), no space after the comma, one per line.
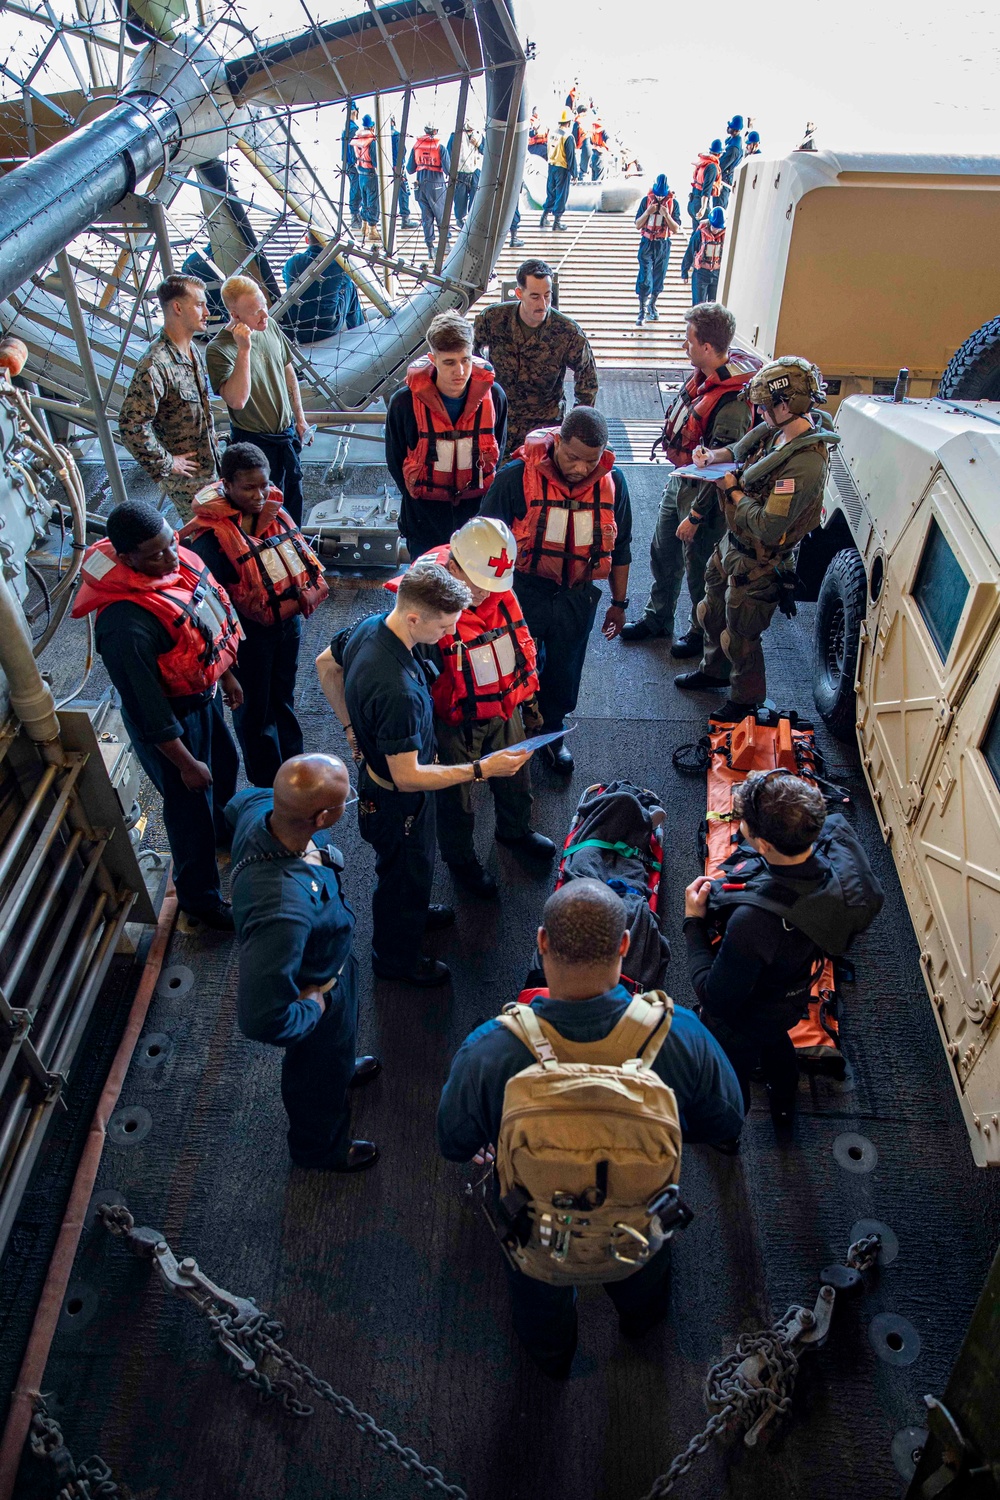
(867,264)
(908,652)
(864,262)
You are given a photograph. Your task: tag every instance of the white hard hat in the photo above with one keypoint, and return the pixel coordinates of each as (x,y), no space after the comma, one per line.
(485,550)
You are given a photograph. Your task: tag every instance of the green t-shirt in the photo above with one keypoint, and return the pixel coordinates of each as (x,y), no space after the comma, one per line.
(269,408)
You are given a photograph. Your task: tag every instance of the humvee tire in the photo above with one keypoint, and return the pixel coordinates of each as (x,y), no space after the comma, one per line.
(840,609)
(973,372)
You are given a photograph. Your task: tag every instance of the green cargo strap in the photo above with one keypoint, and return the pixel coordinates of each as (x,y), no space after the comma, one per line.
(626,849)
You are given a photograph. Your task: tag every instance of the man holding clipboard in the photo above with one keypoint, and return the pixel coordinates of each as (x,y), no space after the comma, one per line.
(484,691)
(710,412)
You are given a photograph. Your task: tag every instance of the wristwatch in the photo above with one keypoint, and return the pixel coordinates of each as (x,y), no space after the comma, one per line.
(620,603)
(477,771)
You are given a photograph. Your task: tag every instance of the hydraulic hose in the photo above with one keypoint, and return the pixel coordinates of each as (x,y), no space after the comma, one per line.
(58,194)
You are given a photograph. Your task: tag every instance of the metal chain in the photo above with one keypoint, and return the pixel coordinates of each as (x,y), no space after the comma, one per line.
(733,1400)
(260,1339)
(89,1480)
(864,1252)
(738,1397)
(251,1339)
(684,1460)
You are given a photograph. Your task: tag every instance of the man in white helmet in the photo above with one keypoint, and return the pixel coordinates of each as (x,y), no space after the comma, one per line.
(487,682)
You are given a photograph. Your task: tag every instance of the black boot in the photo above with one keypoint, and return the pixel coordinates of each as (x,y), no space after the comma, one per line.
(688,645)
(699,681)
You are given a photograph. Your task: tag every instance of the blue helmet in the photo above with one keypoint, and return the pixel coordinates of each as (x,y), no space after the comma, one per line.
(753,139)
(717,218)
(661,187)
(368,122)
(715,147)
(736,123)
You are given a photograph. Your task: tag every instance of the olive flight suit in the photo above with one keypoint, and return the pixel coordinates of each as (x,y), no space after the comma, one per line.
(670,559)
(755,561)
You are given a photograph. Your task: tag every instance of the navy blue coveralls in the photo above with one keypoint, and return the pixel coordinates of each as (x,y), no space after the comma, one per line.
(558,180)
(295,931)
(431,191)
(654,257)
(728,162)
(708,1099)
(351,168)
(129,640)
(399,171)
(329,303)
(704,283)
(268,660)
(391,712)
(560,619)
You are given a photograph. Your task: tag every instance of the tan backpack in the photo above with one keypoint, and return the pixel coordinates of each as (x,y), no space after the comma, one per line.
(589,1149)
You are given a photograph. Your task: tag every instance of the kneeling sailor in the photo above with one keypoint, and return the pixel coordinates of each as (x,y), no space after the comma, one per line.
(803,888)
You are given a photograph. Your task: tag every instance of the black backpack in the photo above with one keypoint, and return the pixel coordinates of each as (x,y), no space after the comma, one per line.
(830,910)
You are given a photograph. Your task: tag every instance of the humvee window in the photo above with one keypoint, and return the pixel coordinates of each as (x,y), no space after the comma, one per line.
(941,590)
(991,745)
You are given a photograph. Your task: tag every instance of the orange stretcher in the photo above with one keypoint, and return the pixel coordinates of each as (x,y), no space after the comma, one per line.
(733,752)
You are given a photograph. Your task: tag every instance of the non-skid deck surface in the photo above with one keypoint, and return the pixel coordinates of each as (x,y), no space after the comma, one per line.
(391,1288)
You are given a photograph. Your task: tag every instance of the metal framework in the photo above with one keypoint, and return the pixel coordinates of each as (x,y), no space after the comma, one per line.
(238,145)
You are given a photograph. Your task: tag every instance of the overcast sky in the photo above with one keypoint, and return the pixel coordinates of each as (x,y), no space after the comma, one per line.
(900,77)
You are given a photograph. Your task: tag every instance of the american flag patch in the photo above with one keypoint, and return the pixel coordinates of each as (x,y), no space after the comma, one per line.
(785,487)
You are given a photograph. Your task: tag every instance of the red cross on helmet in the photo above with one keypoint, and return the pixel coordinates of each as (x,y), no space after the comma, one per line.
(485,550)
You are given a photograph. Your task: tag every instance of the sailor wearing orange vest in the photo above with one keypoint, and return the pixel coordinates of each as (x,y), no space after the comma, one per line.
(255,550)
(365,149)
(444,433)
(486,681)
(599,147)
(656,219)
(706,184)
(690,523)
(431,162)
(538,139)
(703,257)
(168,637)
(569,510)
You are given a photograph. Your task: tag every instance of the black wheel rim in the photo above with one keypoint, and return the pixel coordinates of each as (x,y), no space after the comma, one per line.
(836,640)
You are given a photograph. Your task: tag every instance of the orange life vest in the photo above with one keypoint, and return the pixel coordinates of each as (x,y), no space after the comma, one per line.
(568,532)
(453,461)
(708,256)
(196,611)
(489,663)
(707,158)
(279,574)
(598,136)
(362,146)
(427,154)
(656,226)
(688,420)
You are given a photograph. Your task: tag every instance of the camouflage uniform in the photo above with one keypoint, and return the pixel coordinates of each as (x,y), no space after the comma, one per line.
(670,558)
(754,563)
(531,363)
(165,412)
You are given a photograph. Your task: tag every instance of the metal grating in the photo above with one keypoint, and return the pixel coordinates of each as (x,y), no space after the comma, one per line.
(846,488)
